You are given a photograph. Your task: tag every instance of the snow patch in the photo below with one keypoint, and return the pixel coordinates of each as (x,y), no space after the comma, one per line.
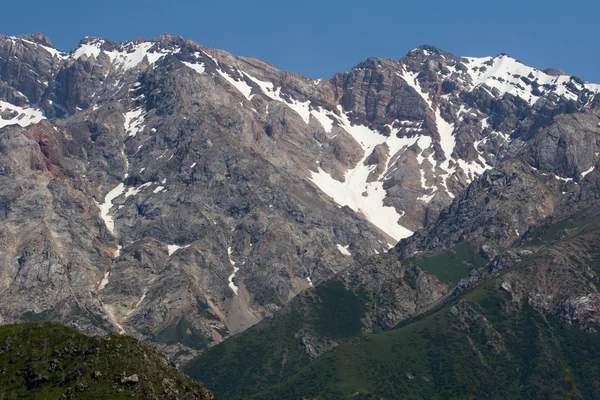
(117,252)
(426,198)
(240,85)
(584,173)
(560,178)
(444,128)
(235,270)
(504,73)
(129,56)
(103,282)
(343,249)
(302,108)
(199,68)
(89,50)
(172,248)
(107,205)
(23,116)
(134,55)
(134,121)
(325,117)
(53,52)
(355,192)
(132,191)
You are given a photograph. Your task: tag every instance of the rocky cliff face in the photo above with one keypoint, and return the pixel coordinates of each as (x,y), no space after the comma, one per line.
(521,192)
(181,194)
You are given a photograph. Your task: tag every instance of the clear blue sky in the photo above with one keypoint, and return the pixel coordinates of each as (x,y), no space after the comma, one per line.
(317,38)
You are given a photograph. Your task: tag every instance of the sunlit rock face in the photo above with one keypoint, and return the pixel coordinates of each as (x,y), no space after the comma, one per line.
(181,194)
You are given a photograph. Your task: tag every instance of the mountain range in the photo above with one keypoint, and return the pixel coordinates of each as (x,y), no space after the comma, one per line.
(263,229)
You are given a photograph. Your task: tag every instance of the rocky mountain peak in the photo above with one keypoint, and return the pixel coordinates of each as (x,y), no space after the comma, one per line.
(92,40)
(554,71)
(38,38)
(429,58)
(425,50)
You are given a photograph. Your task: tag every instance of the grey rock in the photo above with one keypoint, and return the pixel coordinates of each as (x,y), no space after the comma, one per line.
(204,178)
(554,71)
(567,147)
(130,380)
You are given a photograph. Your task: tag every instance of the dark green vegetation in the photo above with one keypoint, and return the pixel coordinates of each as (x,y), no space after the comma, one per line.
(51,361)
(495,340)
(453,265)
(489,338)
(259,357)
(520,354)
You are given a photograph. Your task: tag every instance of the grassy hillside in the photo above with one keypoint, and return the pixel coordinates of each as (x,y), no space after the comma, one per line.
(50,361)
(503,339)
(453,265)
(516,354)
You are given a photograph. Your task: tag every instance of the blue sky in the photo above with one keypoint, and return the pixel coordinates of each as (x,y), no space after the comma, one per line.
(318,38)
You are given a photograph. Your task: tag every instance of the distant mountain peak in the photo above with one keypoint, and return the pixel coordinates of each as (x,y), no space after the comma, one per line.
(426,48)
(38,37)
(554,71)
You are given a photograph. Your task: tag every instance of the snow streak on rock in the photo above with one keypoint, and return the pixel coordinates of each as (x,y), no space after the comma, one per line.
(199,68)
(128,56)
(366,198)
(240,85)
(23,116)
(447,142)
(507,75)
(235,269)
(172,248)
(344,249)
(304,109)
(134,121)
(107,205)
(584,173)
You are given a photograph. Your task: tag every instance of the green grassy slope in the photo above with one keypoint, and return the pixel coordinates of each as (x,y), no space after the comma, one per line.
(521,355)
(500,342)
(51,361)
(453,265)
